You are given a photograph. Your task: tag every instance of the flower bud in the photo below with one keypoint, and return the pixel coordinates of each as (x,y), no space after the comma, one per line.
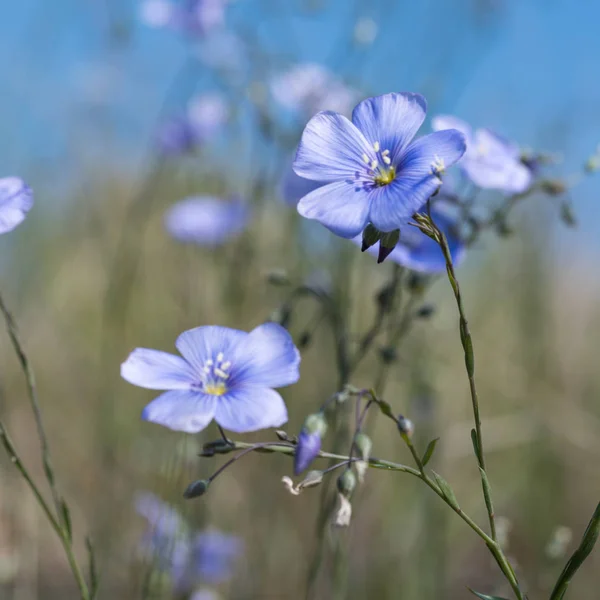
(346,483)
(554,187)
(405,426)
(278,277)
(309,441)
(425,311)
(363,445)
(197,489)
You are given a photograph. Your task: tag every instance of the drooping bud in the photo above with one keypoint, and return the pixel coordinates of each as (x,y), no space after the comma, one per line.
(405,426)
(309,441)
(196,489)
(363,445)
(554,187)
(346,483)
(387,244)
(371,235)
(425,311)
(278,277)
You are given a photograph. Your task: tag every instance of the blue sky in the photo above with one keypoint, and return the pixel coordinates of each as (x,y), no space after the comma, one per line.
(528,68)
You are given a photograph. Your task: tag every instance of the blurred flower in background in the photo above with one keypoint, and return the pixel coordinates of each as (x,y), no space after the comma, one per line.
(204,117)
(16,200)
(225,374)
(374,170)
(420,253)
(190,558)
(193,17)
(308,88)
(490,161)
(206,221)
(293,187)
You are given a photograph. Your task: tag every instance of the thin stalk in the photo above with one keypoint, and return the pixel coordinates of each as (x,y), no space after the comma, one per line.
(56,525)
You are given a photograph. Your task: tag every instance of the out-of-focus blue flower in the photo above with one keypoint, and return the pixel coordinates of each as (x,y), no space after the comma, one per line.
(204,117)
(16,199)
(309,441)
(189,557)
(374,171)
(223,374)
(490,162)
(309,88)
(223,49)
(193,17)
(206,221)
(418,252)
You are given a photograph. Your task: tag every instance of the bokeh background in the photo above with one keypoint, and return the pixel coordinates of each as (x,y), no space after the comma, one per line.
(87,86)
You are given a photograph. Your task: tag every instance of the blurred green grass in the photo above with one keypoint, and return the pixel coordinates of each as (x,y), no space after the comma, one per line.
(534,324)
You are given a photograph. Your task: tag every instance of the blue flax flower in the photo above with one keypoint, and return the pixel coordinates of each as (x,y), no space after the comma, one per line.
(194,17)
(206,221)
(418,252)
(16,199)
(203,118)
(374,170)
(189,557)
(223,374)
(490,162)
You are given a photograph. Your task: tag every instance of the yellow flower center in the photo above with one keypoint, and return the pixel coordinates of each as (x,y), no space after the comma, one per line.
(381,169)
(214,375)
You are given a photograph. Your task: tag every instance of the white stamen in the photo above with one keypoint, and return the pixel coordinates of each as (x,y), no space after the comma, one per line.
(365,158)
(225,366)
(376,146)
(374,164)
(387,160)
(220,357)
(220,373)
(385,153)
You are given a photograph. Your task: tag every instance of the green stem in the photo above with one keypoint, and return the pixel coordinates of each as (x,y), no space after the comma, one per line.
(467,342)
(56,525)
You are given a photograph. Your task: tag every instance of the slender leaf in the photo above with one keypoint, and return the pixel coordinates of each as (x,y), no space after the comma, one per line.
(485,596)
(429,452)
(92,567)
(446,490)
(590,537)
(66,519)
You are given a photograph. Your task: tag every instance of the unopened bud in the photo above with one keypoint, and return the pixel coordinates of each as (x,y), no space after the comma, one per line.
(281,315)
(405,426)
(554,187)
(217,447)
(282,435)
(363,445)
(309,441)
(304,340)
(278,277)
(196,489)
(388,354)
(425,311)
(346,483)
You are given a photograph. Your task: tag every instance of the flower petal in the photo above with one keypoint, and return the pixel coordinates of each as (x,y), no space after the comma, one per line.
(206,221)
(156,370)
(331,149)
(203,343)
(496,145)
(293,187)
(511,177)
(393,205)
(442,122)
(248,408)
(391,119)
(342,207)
(16,199)
(181,410)
(266,357)
(445,146)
